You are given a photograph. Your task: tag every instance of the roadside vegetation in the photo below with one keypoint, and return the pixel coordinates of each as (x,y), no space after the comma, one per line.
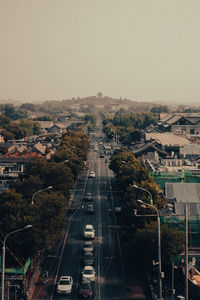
(18,130)
(138,233)
(47,212)
(128,126)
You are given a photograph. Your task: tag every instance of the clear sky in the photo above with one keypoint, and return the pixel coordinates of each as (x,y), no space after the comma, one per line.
(144,50)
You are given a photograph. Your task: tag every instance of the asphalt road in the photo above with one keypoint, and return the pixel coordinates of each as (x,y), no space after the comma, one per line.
(111,281)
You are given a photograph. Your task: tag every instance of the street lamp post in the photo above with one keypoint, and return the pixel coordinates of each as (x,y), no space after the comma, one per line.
(145,190)
(3,258)
(48,188)
(159,248)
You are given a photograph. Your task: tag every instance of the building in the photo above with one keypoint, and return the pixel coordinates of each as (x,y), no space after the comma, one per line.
(188,124)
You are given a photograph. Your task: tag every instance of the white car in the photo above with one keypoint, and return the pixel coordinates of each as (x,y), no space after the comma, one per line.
(64,286)
(92,174)
(88,247)
(89,232)
(88,273)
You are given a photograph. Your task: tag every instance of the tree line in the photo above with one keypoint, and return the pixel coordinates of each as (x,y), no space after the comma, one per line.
(48,210)
(18,130)
(139,234)
(128,126)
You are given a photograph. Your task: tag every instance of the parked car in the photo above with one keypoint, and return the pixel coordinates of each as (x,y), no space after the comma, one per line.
(88,273)
(89,232)
(89,209)
(88,246)
(88,197)
(101,155)
(64,285)
(88,259)
(92,174)
(86,290)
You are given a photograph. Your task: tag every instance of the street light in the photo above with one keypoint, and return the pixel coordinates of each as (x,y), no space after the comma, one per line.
(159,247)
(3,258)
(145,190)
(48,188)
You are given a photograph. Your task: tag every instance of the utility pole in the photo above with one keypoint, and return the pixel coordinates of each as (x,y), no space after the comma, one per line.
(186,252)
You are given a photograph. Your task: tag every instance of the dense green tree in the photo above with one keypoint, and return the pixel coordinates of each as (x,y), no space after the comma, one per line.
(30,127)
(58,175)
(14,129)
(48,216)
(29,106)
(12,211)
(159,109)
(137,233)
(4,120)
(13,113)
(7,135)
(128,126)
(48,117)
(90,118)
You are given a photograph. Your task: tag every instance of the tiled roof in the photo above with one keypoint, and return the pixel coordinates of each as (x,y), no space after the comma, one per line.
(166,117)
(184,193)
(45,124)
(174,119)
(39,147)
(147,146)
(190,149)
(167,139)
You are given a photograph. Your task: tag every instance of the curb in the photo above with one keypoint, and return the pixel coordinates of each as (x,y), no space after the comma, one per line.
(34,279)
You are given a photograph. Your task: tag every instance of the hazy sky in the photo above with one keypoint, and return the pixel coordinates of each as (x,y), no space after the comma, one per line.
(145,50)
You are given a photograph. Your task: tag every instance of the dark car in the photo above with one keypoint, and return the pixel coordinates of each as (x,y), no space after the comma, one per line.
(88,197)
(86,290)
(88,259)
(101,155)
(89,209)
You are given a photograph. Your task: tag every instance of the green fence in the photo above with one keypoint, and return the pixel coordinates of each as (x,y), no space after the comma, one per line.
(193,228)
(17,270)
(185,176)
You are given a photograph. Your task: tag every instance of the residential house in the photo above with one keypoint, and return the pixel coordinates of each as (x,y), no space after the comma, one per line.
(151,150)
(170,142)
(179,194)
(188,124)
(6,147)
(12,167)
(191,151)
(45,125)
(57,128)
(39,148)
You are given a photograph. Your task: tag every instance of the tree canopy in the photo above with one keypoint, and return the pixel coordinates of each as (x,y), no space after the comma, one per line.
(140,233)
(46,214)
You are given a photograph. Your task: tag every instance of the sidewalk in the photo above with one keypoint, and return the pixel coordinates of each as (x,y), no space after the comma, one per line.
(34,279)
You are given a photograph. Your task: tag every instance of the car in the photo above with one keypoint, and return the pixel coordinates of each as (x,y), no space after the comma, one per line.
(88,197)
(89,232)
(92,174)
(89,209)
(101,155)
(88,246)
(86,290)
(88,273)
(88,259)
(64,285)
